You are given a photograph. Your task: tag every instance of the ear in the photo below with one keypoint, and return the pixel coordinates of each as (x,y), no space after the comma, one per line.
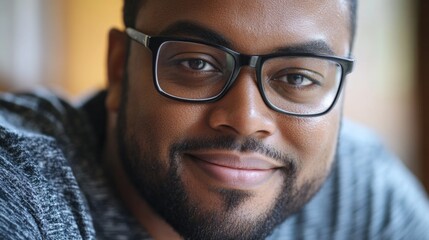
(116,64)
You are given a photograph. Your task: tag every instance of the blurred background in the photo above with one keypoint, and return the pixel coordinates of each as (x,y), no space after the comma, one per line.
(61,45)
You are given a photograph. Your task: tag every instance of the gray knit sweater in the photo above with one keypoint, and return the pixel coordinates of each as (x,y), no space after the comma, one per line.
(52,185)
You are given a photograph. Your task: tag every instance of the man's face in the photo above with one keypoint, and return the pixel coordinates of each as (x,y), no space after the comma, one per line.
(231,169)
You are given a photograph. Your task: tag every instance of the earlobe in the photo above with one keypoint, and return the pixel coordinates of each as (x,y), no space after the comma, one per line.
(116,64)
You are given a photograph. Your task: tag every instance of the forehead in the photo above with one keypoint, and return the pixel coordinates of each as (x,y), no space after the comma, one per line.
(256,26)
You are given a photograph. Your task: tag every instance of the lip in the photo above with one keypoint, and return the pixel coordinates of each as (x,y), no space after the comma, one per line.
(233,170)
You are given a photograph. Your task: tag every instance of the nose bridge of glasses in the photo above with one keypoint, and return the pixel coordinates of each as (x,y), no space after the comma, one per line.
(247,60)
(243,61)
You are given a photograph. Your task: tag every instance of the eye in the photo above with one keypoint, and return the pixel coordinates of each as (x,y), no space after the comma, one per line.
(198,65)
(295,80)
(298,78)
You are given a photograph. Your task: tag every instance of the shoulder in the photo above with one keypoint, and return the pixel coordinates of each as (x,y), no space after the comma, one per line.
(363,158)
(378,193)
(39,195)
(42,115)
(38,113)
(368,195)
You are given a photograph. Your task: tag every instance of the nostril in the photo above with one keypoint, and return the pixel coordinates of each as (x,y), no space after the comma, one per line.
(227,129)
(241,121)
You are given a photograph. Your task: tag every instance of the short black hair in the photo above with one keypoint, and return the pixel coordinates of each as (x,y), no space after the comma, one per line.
(131,8)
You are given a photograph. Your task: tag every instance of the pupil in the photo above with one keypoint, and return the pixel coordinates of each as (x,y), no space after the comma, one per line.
(197,64)
(296,79)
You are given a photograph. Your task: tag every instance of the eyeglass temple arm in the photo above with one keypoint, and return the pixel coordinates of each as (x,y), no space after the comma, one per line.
(138,36)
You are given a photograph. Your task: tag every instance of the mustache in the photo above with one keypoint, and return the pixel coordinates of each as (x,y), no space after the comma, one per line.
(230,143)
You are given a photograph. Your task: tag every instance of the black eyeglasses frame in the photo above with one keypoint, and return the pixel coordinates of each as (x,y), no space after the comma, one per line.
(153,43)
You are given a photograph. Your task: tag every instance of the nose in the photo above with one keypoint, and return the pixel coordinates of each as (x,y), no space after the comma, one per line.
(242,110)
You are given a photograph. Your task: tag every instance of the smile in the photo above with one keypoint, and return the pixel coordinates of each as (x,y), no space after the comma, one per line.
(236,171)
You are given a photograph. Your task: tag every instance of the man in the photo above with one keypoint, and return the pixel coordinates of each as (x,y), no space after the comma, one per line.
(222,120)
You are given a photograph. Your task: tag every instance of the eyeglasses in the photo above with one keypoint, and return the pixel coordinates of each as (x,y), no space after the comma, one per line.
(195,71)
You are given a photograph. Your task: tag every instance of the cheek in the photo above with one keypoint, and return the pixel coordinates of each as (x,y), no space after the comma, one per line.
(168,123)
(154,120)
(314,141)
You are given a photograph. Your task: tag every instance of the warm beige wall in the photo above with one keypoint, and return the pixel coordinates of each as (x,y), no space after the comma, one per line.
(87,23)
(380,91)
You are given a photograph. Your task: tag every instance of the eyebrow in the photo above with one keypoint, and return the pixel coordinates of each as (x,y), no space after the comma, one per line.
(190,29)
(194,30)
(315,47)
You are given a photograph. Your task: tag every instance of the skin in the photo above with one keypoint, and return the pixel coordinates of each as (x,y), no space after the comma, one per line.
(156,122)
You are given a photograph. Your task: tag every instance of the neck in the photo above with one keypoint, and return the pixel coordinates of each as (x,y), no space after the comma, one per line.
(156,226)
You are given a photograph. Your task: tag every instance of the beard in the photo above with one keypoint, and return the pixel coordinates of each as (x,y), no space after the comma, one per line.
(159,183)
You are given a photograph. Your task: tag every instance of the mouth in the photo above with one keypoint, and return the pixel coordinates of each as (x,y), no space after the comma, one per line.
(233,170)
